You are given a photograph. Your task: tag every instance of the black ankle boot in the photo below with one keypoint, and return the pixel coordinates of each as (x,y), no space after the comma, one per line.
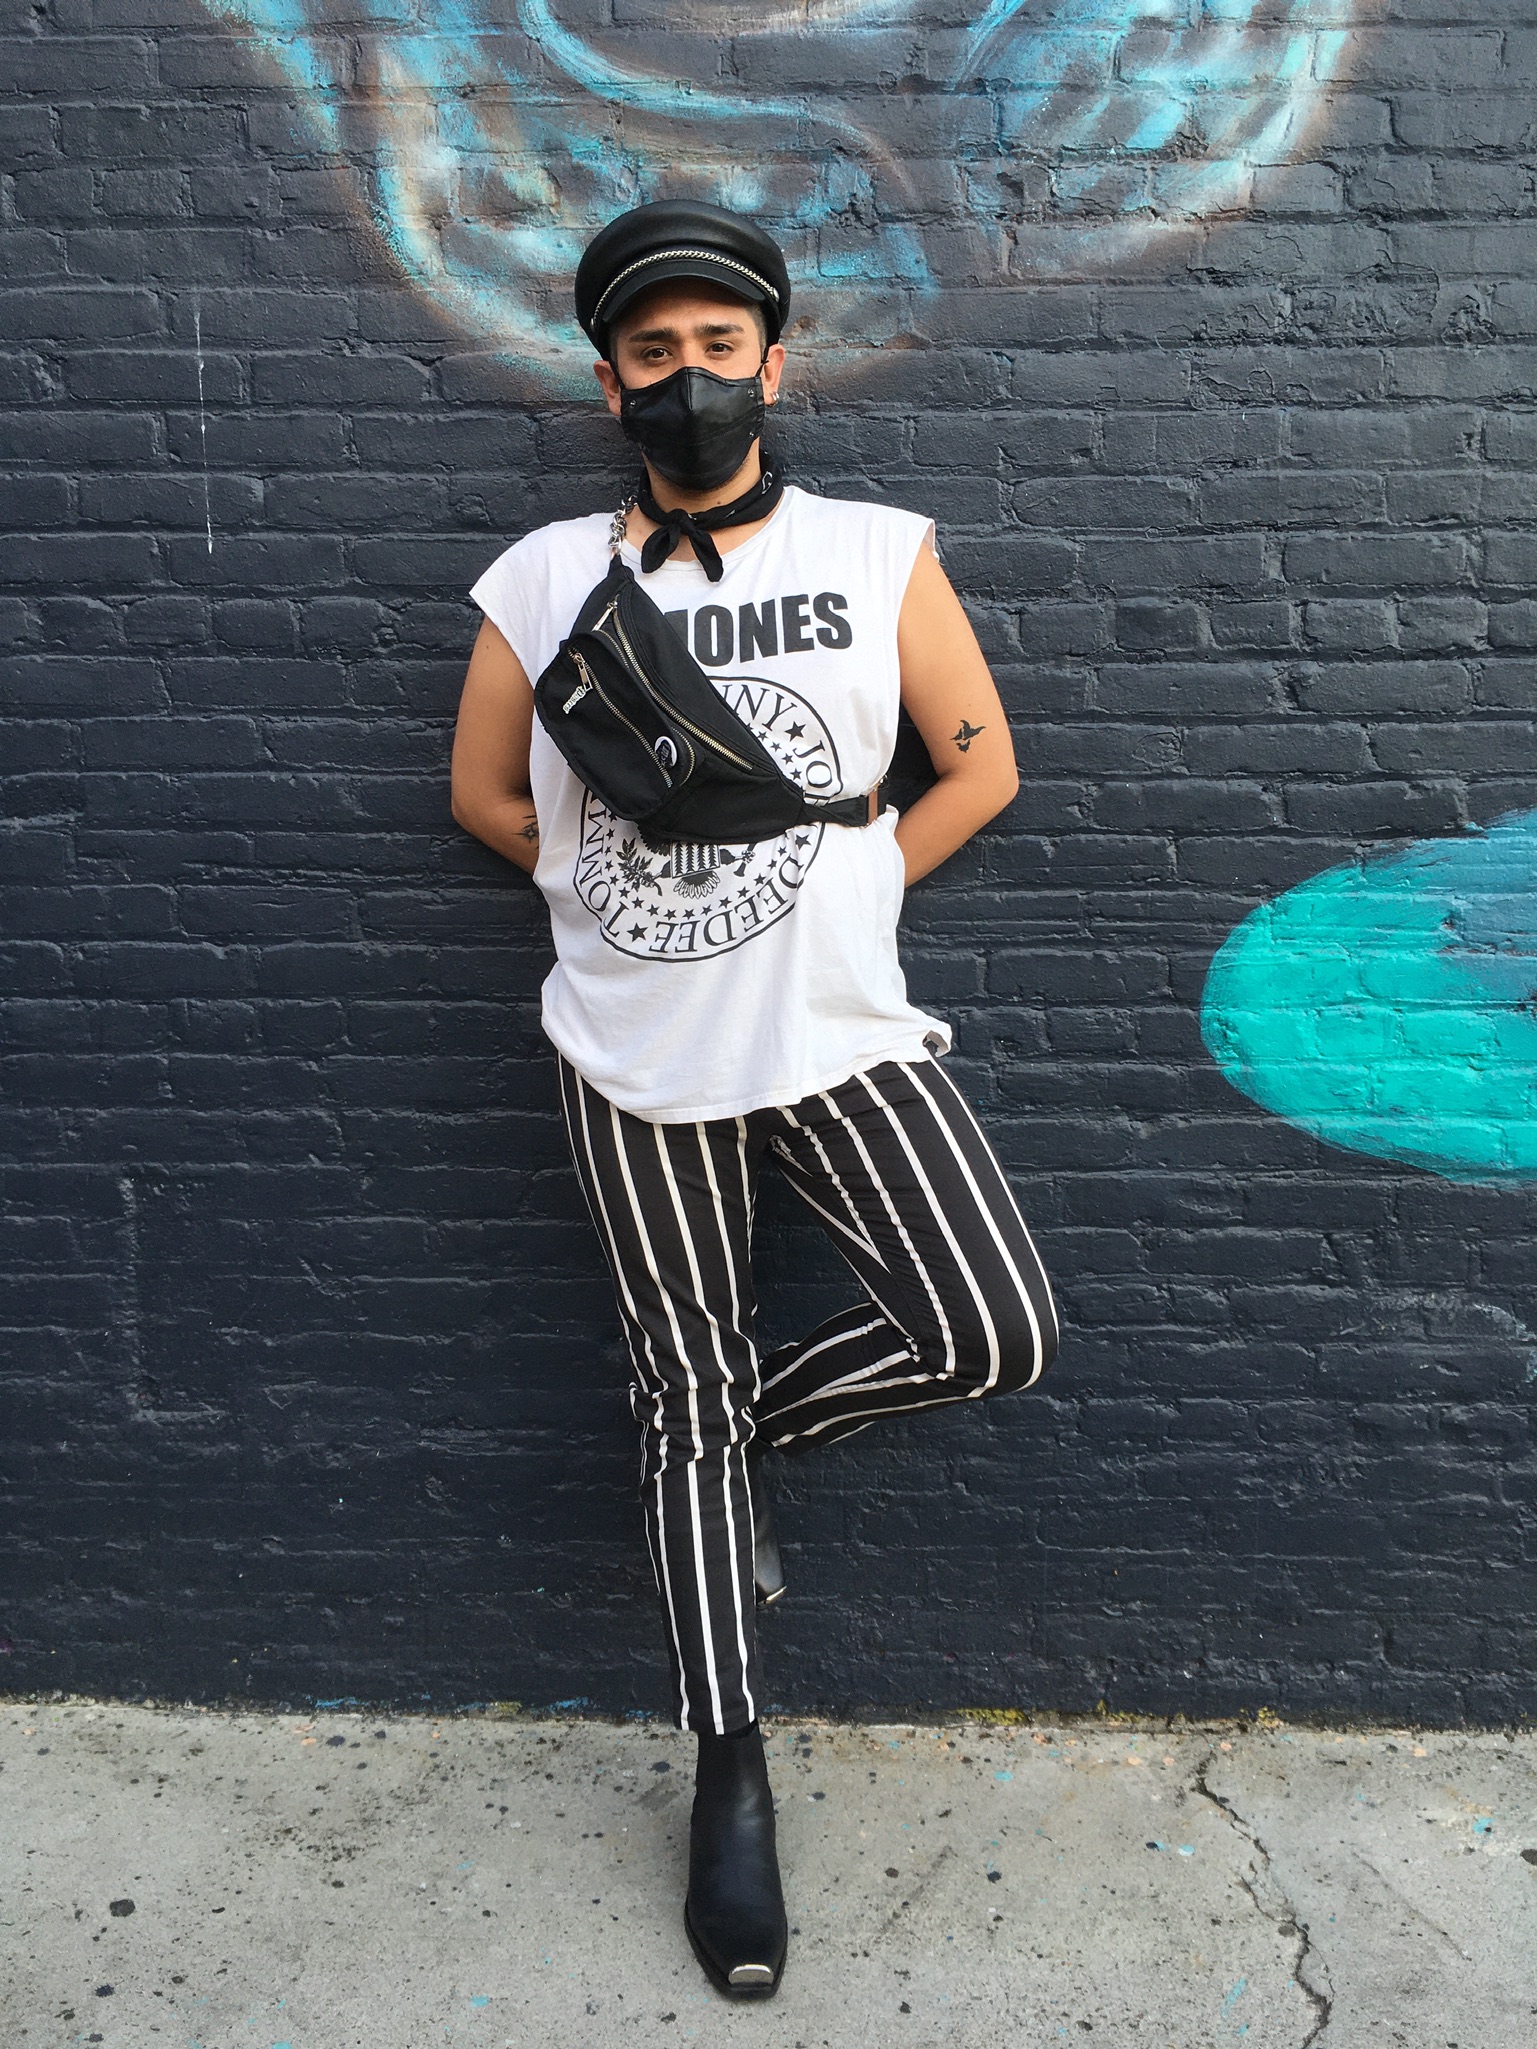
(735,1910)
(767,1569)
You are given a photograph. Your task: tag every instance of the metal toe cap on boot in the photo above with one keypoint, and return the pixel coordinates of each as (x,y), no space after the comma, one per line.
(740,1980)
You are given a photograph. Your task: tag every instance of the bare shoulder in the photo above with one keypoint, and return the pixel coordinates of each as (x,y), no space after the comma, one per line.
(528,555)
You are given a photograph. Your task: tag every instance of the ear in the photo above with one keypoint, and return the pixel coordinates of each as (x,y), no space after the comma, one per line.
(773,369)
(609,379)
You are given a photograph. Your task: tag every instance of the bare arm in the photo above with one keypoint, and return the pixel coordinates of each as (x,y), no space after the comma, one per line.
(949,694)
(490,773)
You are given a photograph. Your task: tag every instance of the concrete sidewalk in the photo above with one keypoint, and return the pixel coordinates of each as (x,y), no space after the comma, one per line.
(207,1880)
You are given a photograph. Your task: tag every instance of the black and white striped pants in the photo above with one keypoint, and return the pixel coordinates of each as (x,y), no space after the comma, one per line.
(893,1164)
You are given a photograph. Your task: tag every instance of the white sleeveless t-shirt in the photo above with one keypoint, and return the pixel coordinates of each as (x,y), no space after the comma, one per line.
(695,981)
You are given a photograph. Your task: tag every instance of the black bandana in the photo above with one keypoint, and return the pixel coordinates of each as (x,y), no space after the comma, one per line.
(671,527)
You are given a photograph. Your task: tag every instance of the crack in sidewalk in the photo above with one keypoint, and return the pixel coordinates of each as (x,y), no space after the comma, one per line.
(1310,1974)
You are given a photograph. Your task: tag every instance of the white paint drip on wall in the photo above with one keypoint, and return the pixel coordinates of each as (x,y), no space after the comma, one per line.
(202,415)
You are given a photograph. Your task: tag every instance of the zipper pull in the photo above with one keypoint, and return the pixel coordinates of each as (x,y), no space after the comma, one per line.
(584,688)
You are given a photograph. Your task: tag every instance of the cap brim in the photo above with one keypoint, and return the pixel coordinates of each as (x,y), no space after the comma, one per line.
(667,266)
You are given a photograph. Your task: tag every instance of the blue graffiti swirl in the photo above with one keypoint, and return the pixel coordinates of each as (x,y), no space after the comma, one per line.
(1390,1005)
(1063,135)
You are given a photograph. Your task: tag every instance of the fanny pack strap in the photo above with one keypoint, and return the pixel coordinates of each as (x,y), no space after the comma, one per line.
(822,811)
(844,810)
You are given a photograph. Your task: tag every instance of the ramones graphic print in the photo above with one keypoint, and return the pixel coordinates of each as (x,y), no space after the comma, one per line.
(680,900)
(698,981)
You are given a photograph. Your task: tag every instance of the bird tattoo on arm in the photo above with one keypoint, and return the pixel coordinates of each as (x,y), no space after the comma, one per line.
(966,735)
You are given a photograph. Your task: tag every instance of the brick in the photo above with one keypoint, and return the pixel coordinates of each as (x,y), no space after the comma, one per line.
(168,621)
(23,378)
(326,377)
(35,500)
(143,195)
(26,136)
(106,560)
(1372,809)
(1035,440)
(1294,376)
(1185,805)
(92,64)
(1302,746)
(1233,689)
(83,313)
(266,317)
(145,377)
(262,560)
(1509,558)
(343,625)
(54,195)
(1197,562)
(121,255)
(1466,748)
(1371,561)
(1432,498)
(428,443)
(1106,504)
(82,625)
(245,193)
(1385,687)
(169,133)
(169,743)
(1441,625)
(336,254)
(1513,625)
(256,440)
(257,623)
(1258,626)
(1296,498)
(1353,439)
(1171,316)
(73,437)
(1351,625)
(170,501)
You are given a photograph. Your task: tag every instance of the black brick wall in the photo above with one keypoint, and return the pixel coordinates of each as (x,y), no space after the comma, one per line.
(313,1388)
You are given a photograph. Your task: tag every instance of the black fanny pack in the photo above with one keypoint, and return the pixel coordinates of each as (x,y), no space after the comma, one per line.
(646,730)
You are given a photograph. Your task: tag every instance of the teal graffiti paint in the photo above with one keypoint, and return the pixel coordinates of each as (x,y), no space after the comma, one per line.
(493,136)
(1390,1006)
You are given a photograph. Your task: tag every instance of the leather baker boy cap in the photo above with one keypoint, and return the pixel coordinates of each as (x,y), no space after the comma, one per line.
(677,238)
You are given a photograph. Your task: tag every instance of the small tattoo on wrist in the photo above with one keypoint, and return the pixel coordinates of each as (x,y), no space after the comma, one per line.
(530,831)
(967,734)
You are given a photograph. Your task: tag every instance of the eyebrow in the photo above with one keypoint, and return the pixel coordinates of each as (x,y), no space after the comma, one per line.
(643,335)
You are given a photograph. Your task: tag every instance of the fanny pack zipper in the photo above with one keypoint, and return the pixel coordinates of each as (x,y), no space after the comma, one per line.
(707,740)
(589,677)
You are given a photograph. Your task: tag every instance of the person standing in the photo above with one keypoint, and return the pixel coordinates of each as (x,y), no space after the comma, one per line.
(718,1007)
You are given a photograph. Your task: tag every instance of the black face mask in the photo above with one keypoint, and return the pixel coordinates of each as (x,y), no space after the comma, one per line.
(694,428)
